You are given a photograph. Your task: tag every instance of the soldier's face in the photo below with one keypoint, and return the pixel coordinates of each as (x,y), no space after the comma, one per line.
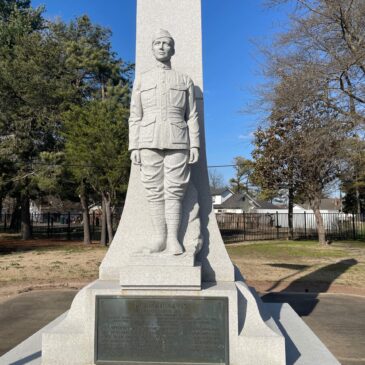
(163,49)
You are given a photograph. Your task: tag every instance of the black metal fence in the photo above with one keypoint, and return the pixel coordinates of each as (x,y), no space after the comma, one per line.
(234,227)
(63,226)
(266,226)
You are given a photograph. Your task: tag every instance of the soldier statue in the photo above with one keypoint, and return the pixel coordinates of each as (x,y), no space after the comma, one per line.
(164,141)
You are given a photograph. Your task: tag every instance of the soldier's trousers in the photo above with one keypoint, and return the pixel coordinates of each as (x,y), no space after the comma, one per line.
(165,174)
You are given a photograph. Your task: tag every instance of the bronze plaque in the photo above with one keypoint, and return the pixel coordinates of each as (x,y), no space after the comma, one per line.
(161,330)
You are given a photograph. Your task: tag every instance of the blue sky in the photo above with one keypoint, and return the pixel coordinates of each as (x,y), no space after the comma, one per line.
(230,59)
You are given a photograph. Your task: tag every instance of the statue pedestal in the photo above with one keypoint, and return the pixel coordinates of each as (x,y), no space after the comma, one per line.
(251,339)
(158,271)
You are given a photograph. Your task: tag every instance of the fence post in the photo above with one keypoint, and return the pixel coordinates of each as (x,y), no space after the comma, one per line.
(52,226)
(244,226)
(305,225)
(69,226)
(5,222)
(277,224)
(353,226)
(48,223)
(93,226)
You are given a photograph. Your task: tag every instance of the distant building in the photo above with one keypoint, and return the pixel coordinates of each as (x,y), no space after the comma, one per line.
(220,195)
(53,204)
(225,201)
(327,205)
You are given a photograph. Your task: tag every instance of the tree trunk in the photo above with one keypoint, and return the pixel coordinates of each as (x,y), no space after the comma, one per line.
(85,218)
(319,220)
(103,240)
(109,223)
(358,204)
(25,218)
(290,213)
(16,216)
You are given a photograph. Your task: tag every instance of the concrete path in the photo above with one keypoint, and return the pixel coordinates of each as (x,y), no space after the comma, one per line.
(26,313)
(338,320)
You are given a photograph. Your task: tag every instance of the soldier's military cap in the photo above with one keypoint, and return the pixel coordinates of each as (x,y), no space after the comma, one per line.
(162,33)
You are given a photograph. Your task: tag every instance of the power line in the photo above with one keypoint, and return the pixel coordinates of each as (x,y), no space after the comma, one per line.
(217,166)
(84,165)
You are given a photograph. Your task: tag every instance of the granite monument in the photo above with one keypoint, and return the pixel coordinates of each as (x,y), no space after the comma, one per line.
(167,291)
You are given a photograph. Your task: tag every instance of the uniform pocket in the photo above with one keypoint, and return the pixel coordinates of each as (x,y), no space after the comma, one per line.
(178,95)
(147,129)
(148,96)
(179,131)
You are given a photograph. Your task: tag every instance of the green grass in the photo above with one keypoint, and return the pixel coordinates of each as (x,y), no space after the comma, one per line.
(351,244)
(292,249)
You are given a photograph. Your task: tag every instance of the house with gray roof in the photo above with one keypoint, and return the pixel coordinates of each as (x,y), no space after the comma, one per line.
(327,205)
(219,196)
(225,201)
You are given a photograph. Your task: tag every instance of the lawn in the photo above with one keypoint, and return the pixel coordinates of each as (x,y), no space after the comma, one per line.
(267,265)
(27,265)
(302,265)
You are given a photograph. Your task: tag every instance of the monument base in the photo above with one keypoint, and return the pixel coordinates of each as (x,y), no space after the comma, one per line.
(251,339)
(69,333)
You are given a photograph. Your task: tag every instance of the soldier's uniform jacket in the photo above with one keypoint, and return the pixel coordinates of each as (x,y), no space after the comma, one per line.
(163,111)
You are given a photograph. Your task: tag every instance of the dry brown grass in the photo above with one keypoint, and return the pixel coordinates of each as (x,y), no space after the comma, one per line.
(44,264)
(270,265)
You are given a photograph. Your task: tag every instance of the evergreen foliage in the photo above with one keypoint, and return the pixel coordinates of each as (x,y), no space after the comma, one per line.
(64,97)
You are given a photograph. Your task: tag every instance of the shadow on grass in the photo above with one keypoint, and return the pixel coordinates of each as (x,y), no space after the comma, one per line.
(297,267)
(314,283)
(13,245)
(321,279)
(291,266)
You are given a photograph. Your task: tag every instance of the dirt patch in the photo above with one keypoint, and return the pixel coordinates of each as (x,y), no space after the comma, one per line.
(26,266)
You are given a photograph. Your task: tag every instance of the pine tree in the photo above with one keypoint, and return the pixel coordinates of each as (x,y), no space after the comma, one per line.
(33,90)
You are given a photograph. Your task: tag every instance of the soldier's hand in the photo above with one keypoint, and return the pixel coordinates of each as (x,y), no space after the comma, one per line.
(194,155)
(136,157)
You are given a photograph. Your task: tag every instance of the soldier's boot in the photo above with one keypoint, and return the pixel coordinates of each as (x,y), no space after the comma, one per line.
(158,238)
(173,219)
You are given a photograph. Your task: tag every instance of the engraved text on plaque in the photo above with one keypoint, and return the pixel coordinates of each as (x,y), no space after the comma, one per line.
(161,330)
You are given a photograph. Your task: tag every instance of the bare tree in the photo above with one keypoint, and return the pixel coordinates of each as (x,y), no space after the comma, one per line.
(301,147)
(315,96)
(327,39)
(216,180)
